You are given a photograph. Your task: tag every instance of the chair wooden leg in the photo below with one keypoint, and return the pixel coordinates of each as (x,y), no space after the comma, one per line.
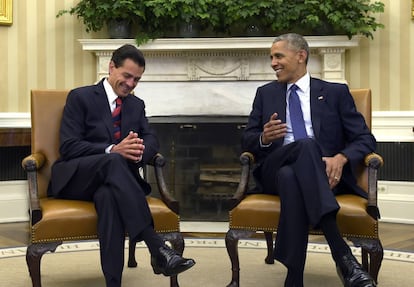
(372,255)
(34,255)
(270,258)
(132,262)
(232,239)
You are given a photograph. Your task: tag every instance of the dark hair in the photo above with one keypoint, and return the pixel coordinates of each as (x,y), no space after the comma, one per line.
(128,51)
(295,42)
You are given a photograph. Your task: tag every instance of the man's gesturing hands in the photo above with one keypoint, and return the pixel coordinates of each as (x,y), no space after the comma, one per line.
(273,129)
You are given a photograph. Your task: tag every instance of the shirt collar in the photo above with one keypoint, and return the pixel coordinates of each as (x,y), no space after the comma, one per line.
(303,83)
(109,91)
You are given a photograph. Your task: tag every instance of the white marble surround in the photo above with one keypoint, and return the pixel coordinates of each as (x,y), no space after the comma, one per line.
(214,76)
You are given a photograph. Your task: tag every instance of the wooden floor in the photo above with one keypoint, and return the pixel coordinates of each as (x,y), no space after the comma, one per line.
(393,236)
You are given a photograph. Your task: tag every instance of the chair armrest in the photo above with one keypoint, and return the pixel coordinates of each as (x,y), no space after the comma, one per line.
(31,164)
(158,162)
(373,162)
(246,161)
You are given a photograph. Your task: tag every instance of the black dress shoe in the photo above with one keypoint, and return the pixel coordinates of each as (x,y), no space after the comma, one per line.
(352,274)
(169,262)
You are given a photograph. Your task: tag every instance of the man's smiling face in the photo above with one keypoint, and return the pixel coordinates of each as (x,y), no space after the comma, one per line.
(124,78)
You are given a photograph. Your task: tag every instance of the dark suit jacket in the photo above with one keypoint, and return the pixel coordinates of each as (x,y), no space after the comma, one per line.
(337,126)
(87,129)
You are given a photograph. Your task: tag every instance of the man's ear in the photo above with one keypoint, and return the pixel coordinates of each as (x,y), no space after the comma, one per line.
(302,56)
(111,66)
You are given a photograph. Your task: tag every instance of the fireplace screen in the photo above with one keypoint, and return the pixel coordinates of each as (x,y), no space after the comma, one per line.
(202,163)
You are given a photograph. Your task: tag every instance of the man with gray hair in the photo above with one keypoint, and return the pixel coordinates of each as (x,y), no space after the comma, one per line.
(307,136)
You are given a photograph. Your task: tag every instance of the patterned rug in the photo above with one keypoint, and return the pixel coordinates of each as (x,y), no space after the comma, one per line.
(77,264)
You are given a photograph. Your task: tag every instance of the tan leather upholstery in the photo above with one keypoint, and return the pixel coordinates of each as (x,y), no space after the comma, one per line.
(357,217)
(56,220)
(261,212)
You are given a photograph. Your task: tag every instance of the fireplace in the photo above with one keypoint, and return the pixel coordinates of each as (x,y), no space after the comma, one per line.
(198,93)
(202,162)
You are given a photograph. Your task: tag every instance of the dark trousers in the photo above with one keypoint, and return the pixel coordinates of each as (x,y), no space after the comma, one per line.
(297,174)
(120,204)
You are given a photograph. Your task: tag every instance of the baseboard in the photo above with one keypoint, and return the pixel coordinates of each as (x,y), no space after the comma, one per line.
(14,201)
(395,199)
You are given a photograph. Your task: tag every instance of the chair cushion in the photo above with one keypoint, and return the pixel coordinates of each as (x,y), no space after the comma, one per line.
(256,212)
(260,212)
(165,220)
(65,220)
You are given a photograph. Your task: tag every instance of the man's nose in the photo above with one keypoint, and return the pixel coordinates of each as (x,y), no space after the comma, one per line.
(131,82)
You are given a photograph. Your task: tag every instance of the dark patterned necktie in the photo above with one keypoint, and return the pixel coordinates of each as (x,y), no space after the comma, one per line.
(296,115)
(116,118)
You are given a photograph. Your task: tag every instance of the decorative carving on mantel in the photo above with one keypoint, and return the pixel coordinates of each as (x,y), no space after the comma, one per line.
(222,68)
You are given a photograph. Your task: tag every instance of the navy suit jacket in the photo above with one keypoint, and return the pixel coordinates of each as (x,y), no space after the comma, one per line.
(337,126)
(87,129)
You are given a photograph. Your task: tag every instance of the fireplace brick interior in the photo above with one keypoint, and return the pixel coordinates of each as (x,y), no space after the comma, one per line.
(202,163)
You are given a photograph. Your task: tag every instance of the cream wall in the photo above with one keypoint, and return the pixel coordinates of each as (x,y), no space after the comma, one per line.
(40,51)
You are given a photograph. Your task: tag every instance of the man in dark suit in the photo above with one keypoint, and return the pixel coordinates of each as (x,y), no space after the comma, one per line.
(104,138)
(307,156)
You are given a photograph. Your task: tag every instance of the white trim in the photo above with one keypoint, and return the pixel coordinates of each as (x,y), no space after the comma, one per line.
(15,120)
(387,126)
(14,201)
(393,126)
(252,43)
(395,199)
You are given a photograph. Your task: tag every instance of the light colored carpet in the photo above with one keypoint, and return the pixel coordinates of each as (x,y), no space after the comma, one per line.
(77,264)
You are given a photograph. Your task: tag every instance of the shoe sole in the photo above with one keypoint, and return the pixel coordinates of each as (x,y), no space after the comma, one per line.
(168,274)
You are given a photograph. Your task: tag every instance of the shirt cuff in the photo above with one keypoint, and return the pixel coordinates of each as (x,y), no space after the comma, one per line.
(108,149)
(263,145)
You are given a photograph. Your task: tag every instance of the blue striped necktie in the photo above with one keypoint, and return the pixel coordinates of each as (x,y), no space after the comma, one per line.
(116,118)
(296,115)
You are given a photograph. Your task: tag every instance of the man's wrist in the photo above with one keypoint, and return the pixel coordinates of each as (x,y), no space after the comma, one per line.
(343,158)
(109,148)
(261,141)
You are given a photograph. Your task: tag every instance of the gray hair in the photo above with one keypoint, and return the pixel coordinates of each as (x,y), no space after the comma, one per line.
(295,42)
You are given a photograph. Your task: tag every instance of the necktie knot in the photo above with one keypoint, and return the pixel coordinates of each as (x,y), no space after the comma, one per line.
(118,101)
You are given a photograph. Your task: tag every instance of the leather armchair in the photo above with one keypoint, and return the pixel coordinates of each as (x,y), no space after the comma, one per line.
(53,221)
(357,218)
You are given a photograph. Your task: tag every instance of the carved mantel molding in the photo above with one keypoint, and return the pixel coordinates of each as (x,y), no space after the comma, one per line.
(214,76)
(223,59)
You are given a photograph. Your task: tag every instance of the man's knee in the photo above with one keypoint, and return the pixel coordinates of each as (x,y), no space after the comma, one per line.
(285,173)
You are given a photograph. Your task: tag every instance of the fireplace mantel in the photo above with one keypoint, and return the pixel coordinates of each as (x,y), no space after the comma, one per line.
(222,58)
(199,76)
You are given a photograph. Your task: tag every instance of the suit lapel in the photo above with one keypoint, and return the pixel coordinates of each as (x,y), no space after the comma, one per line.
(317,102)
(125,115)
(101,105)
(279,101)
